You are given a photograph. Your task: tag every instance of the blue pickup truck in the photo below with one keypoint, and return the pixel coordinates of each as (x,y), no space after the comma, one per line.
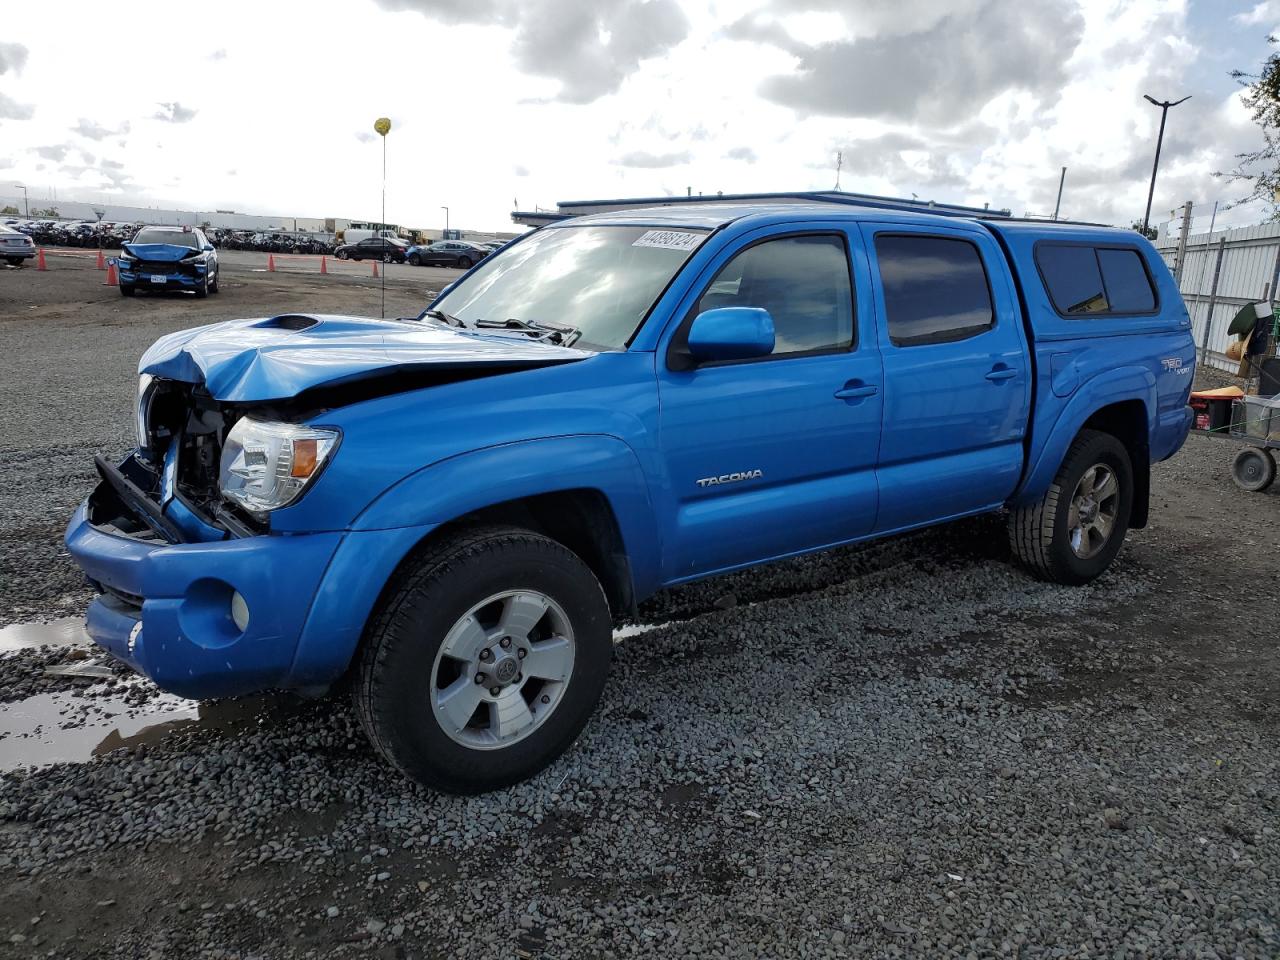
(451,511)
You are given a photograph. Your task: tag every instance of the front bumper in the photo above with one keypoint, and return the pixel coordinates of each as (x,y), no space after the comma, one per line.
(163,276)
(165,608)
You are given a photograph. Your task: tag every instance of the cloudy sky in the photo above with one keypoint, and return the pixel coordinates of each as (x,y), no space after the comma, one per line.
(268,107)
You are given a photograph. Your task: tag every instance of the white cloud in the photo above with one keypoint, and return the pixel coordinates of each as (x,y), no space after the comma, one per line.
(553,100)
(1266,12)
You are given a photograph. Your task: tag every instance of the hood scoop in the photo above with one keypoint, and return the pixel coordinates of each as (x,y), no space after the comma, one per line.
(287,321)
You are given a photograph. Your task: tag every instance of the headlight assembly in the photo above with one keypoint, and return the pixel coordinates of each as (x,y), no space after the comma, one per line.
(267,465)
(141,411)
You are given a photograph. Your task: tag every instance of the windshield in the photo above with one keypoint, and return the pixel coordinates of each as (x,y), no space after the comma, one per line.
(600,280)
(173,237)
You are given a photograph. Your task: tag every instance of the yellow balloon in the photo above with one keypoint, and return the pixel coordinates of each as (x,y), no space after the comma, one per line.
(382,125)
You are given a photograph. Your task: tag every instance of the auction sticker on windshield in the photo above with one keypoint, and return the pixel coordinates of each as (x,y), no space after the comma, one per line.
(669,239)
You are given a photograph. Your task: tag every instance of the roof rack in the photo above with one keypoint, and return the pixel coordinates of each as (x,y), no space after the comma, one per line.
(811,196)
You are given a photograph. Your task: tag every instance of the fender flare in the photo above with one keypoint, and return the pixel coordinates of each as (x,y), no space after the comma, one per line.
(1113,386)
(448,489)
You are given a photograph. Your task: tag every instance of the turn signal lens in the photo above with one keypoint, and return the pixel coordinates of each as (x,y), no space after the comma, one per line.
(305,458)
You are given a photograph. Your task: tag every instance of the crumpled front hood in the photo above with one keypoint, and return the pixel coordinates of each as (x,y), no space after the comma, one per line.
(158,252)
(273,358)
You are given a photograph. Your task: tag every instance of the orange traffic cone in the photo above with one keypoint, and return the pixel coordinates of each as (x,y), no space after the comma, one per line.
(40,259)
(375,268)
(113,278)
(102,264)
(324,264)
(271,263)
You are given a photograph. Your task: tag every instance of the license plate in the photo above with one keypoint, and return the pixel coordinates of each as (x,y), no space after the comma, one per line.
(157,278)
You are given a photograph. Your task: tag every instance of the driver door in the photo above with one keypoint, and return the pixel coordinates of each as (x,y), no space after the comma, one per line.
(775,455)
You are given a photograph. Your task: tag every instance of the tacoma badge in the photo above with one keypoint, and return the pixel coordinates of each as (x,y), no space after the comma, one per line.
(730,478)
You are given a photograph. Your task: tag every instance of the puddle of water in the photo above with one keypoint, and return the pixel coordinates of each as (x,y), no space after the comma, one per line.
(58,633)
(68,727)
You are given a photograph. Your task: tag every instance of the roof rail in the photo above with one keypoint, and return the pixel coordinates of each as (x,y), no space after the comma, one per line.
(810,196)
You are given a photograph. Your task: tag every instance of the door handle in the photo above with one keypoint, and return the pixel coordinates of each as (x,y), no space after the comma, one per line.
(856,390)
(1002,373)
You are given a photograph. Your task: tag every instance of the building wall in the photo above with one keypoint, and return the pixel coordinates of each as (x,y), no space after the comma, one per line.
(1246,265)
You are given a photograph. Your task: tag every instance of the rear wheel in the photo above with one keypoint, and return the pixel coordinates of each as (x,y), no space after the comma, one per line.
(464,263)
(386,258)
(1253,469)
(1075,530)
(416,260)
(14,261)
(486,661)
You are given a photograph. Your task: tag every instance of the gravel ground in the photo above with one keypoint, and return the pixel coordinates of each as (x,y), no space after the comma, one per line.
(910,749)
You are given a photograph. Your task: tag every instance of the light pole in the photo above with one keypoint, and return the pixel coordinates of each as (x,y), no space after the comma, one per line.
(446,221)
(382,126)
(26,204)
(1164,106)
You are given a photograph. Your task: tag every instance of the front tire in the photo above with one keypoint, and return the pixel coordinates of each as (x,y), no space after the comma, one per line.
(1073,533)
(416,260)
(485,661)
(127,290)
(341,254)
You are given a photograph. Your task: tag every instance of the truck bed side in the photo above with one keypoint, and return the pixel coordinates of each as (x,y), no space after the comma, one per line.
(1127,373)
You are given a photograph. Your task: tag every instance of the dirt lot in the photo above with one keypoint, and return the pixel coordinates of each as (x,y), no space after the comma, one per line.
(910,749)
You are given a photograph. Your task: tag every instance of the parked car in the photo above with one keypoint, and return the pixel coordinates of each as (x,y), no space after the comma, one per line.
(168,258)
(15,246)
(448,253)
(386,249)
(715,387)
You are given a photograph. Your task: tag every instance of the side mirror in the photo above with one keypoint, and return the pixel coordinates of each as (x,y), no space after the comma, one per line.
(731,333)
(208,247)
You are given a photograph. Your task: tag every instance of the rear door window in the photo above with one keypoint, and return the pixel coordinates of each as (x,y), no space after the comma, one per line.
(1084,280)
(935,289)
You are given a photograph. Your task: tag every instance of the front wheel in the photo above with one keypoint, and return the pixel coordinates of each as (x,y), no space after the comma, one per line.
(127,290)
(486,660)
(416,260)
(341,254)
(1253,469)
(1072,533)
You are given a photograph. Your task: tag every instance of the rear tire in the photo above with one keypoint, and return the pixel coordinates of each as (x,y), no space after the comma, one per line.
(416,260)
(1073,533)
(464,263)
(14,261)
(1253,469)
(443,616)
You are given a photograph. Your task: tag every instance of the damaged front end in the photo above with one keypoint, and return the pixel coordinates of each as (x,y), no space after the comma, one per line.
(197,590)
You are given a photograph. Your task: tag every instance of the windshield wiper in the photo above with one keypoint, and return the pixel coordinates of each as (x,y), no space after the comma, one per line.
(443,318)
(558,333)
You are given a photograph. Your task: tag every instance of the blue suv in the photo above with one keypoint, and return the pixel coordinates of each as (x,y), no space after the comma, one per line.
(453,510)
(168,258)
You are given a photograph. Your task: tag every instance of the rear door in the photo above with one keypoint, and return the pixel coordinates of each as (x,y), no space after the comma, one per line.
(956,372)
(775,455)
